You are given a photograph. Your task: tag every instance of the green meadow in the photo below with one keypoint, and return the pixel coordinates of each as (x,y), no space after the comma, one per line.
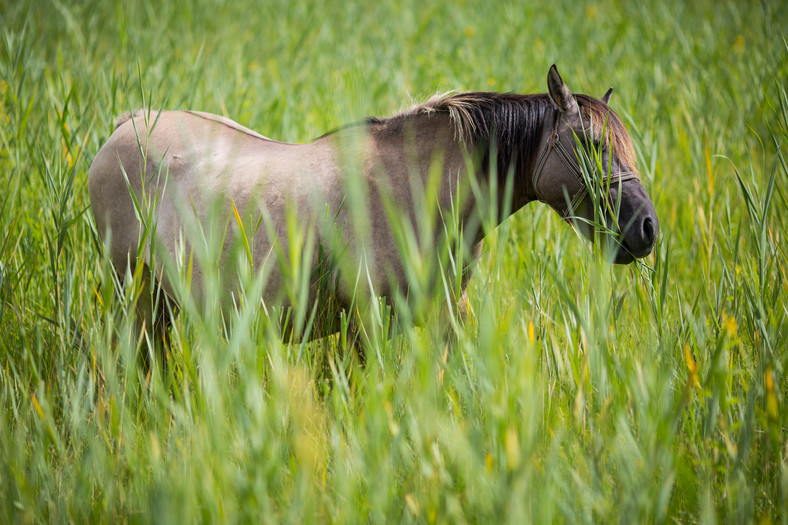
(576,391)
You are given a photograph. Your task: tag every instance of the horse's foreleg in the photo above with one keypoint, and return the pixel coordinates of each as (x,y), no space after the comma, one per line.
(450,338)
(153,318)
(464,309)
(354,341)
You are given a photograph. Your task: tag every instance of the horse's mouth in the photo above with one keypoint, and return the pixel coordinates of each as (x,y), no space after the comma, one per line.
(625,255)
(617,246)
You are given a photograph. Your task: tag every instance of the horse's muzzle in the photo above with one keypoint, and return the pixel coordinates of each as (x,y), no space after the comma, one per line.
(639,240)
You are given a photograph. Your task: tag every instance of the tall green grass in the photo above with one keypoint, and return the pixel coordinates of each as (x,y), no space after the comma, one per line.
(577,392)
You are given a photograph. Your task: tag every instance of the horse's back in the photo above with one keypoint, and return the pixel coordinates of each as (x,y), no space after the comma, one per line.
(145,143)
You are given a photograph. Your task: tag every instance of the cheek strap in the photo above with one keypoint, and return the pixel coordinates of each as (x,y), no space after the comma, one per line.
(555,144)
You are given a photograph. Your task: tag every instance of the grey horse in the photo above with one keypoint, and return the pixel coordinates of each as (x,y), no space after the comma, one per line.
(440,161)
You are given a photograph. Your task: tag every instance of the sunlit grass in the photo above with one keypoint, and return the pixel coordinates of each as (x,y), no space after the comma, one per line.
(577,392)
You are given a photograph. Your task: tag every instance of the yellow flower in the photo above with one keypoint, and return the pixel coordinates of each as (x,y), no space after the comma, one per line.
(37,406)
(771,398)
(413,505)
(730,325)
(512,448)
(738,45)
(692,366)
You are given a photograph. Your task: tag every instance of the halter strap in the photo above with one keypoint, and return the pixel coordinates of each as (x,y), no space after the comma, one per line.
(554,144)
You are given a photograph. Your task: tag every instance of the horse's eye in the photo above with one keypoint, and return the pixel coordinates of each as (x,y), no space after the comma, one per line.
(588,147)
(591,148)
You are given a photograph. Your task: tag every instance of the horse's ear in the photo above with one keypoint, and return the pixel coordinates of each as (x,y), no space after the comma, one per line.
(606,97)
(559,93)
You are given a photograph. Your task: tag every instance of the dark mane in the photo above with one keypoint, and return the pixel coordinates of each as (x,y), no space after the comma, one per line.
(513,122)
(516,123)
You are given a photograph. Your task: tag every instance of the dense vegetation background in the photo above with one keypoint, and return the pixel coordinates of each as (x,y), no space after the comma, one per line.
(579,392)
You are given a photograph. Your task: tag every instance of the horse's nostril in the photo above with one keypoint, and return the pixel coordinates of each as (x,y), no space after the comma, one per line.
(648,231)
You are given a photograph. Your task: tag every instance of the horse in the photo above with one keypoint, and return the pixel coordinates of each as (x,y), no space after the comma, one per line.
(448,155)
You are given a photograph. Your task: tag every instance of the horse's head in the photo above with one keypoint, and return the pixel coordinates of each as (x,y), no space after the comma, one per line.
(586,172)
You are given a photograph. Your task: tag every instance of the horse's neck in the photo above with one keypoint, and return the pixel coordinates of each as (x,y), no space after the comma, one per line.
(468,173)
(402,155)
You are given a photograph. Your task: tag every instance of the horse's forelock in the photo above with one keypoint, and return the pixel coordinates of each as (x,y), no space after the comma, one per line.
(602,117)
